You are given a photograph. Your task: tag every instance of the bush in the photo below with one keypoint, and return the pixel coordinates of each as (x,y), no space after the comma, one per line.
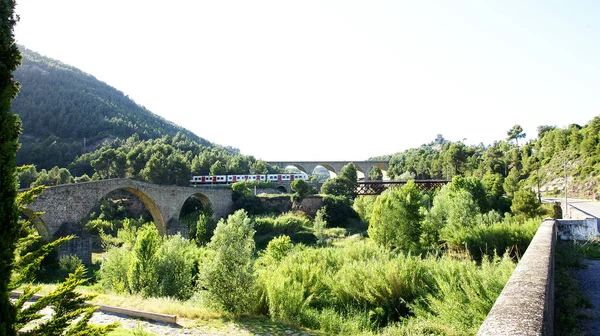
(363,205)
(141,275)
(263,225)
(525,203)
(147,264)
(451,211)
(319,226)
(289,223)
(240,190)
(113,271)
(396,218)
(462,295)
(496,239)
(301,189)
(228,276)
(176,267)
(338,211)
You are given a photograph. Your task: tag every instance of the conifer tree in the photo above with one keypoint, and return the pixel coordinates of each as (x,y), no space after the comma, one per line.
(10,127)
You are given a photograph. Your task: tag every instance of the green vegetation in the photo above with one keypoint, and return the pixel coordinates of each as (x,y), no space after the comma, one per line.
(539,163)
(569,301)
(403,263)
(67,112)
(10,128)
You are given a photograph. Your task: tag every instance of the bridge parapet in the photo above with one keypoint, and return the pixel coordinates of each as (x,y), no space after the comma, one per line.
(526,304)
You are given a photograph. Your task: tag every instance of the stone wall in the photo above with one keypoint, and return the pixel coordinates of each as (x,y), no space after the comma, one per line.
(526,304)
(577,229)
(66,206)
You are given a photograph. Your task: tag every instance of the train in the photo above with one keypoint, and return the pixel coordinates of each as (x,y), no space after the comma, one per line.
(228,179)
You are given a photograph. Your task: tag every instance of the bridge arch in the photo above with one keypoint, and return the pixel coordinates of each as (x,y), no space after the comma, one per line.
(204,200)
(299,167)
(38,223)
(155,212)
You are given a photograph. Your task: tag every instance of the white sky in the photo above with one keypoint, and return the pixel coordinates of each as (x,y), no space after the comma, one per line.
(334,80)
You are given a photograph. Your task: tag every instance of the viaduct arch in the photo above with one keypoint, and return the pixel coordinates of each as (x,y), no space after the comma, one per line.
(64,207)
(333,166)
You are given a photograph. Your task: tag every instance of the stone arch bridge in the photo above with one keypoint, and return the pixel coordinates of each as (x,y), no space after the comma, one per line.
(66,206)
(333,166)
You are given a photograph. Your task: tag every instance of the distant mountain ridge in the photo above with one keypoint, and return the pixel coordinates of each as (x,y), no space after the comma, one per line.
(66,112)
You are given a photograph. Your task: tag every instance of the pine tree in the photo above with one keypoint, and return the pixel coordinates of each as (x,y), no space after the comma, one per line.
(67,304)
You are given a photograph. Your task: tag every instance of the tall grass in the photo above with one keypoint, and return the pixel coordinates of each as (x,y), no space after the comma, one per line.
(362,288)
(489,240)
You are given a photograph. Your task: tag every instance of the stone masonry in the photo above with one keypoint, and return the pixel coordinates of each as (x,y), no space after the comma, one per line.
(65,206)
(334,166)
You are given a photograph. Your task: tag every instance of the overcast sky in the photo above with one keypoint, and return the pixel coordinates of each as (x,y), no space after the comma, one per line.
(334,80)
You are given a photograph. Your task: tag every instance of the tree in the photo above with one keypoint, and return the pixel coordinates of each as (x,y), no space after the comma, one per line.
(344,184)
(525,203)
(511,183)
(229,274)
(396,218)
(217,168)
(376,174)
(259,167)
(10,128)
(516,133)
(301,189)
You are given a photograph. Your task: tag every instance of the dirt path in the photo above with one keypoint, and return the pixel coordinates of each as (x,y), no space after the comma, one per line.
(589,280)
(194,327)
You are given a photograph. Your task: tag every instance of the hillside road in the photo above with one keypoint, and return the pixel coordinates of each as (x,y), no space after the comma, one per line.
(590,206)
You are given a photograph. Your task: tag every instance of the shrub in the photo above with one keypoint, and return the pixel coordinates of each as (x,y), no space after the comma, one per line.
(525,203)
(496,239)
(363,205)
(67,265)
(240,190)
(451,211)
(176,266)
(319,226)
(396,218)
(301,189)
(150,265)
(338,211)
(228,276)
(263,225)
(289,223)
(141,274)
(460,299)
(113,271)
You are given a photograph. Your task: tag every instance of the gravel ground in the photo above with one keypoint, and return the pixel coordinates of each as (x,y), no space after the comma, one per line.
(589,280)
(251,328)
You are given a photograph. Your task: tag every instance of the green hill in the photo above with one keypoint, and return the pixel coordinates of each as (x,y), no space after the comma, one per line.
(66,112)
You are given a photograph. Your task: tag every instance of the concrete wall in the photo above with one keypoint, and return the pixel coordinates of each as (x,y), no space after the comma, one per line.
(577,229)
(526,304)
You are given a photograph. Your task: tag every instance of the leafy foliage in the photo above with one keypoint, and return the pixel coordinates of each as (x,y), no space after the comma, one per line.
(396,218)
(344,184)
(228,274)
(147,264)
(66,112)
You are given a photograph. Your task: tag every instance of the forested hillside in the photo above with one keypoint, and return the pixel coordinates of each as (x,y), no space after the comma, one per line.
(539,163)
(63,108)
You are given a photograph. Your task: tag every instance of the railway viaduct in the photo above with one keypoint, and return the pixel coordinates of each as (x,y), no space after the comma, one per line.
(66,206)
(333,166)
